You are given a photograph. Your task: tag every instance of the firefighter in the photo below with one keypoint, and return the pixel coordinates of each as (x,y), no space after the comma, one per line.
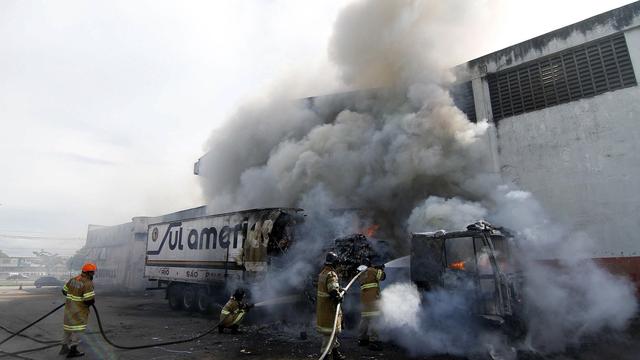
(328,297)
(369,297)
(233,312)
(80,296)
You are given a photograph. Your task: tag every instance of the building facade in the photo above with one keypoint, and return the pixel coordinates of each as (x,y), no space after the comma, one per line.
(566,111)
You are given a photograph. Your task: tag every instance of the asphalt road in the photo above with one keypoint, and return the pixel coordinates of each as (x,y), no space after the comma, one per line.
(136,320)
(145,319)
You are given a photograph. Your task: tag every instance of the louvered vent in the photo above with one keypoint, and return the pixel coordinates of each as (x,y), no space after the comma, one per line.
(580,72)
(462,95)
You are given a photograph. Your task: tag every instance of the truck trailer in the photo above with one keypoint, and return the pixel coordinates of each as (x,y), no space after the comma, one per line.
(195,260)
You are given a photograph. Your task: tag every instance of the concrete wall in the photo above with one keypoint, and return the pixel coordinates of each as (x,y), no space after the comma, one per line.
(581,160)
(621,19)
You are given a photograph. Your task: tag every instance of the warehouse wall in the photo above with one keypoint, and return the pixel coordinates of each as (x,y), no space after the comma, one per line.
(582,162)
(580,159)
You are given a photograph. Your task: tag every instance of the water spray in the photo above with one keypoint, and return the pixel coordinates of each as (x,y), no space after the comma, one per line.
(401,262)
(279,300)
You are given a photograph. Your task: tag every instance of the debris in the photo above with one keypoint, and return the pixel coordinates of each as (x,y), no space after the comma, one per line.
(246,352)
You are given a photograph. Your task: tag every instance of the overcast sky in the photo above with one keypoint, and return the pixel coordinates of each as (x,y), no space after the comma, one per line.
(106,105)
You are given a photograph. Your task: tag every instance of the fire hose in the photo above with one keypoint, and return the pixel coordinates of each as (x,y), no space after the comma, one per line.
(335,320)
(102,332)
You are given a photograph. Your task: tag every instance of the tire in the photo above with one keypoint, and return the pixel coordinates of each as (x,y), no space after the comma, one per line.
(203,301)
(189,298)
(175,297)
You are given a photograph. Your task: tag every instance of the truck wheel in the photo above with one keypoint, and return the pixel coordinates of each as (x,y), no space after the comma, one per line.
(175,297)
(189,298)
(203,302)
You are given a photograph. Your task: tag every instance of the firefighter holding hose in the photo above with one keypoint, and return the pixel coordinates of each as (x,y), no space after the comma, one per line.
(233,312)
(369,297)
(328,297)
(80,296)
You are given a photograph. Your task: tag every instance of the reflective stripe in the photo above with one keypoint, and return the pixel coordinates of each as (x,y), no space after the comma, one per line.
(369,313)
(322,294)
(225,312)
(379,275)
(74,298)
(324,330)
(74,327)
(368,286)
(65,288)
(237,320)
(89,295)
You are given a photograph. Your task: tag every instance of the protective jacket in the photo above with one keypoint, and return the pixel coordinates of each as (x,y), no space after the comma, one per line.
(325,304)
(232,312)
(370,291)
(80,294)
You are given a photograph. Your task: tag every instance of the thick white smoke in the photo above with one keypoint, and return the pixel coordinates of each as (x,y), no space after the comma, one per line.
(567,295)
(412,159)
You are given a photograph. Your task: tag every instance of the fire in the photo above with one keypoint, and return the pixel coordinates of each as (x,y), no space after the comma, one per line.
(371,230)
(458,265)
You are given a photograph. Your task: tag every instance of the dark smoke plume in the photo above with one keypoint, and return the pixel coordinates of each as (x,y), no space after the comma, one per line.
(401,150)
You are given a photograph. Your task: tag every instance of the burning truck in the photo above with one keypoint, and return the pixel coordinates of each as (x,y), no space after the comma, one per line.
(478,261)
(195,260)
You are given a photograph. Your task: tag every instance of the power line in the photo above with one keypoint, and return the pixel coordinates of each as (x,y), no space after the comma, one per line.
(31,237)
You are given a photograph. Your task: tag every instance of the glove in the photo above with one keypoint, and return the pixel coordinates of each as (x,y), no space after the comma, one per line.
(248,307)
(336,296)
(89,302)
(380,267)
(64,292)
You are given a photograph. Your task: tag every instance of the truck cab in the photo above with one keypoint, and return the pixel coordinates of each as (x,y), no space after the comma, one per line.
(476,260)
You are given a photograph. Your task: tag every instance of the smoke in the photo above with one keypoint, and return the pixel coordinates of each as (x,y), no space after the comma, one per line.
(567,295)
(434,322)
(413,161)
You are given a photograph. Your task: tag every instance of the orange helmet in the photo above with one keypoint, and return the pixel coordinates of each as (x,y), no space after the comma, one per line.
(89,266)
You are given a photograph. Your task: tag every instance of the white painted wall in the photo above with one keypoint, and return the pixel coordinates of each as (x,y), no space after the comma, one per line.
(581,160)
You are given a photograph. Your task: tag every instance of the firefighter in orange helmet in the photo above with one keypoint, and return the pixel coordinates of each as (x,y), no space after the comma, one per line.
(328,297)
(80,296)
(233,312)
(369,297)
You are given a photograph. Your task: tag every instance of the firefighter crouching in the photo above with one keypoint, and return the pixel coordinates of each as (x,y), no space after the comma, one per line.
(328,297)
(80,296)
(369,297)
(233,312)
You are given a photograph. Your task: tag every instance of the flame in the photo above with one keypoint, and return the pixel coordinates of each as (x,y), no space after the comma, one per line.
(371,230)
(458,265)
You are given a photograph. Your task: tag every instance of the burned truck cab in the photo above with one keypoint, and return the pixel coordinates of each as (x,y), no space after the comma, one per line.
(476,260)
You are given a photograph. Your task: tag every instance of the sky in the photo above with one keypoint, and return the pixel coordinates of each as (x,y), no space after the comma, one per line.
(105,106)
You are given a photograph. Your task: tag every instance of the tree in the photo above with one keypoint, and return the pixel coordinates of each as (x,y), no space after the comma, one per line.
(75,262)
(49,260)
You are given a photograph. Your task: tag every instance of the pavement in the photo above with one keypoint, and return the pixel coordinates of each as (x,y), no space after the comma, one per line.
(147,319)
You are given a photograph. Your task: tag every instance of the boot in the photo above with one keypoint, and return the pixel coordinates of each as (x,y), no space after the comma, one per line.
(220,329)
(337,355)
(73,352)
(235,329)
(64,349)
(375,346)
